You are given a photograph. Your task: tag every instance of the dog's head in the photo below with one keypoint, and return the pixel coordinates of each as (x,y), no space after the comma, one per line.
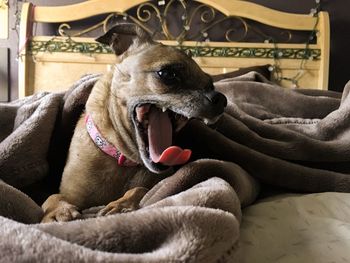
(160,88)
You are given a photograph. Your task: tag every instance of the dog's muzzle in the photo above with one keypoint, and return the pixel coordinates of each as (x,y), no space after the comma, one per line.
(157,125)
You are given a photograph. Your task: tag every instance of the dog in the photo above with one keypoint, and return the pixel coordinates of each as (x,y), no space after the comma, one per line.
(122,143)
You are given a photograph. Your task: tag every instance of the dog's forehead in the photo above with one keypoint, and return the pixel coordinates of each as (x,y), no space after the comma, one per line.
(156,56)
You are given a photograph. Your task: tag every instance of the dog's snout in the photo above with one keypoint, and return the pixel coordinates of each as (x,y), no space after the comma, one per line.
(216,99)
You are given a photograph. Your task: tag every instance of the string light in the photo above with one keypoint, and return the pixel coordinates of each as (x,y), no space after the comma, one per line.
(275,69)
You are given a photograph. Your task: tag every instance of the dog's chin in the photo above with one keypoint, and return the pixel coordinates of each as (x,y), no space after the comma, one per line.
(155,167)
(155,129)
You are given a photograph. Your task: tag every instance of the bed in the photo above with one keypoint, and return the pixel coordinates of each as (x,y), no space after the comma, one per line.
(285,134)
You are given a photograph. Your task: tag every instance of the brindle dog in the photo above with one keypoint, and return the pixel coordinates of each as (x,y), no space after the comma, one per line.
(122,144)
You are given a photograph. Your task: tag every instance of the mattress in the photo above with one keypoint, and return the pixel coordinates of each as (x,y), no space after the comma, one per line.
(297,228)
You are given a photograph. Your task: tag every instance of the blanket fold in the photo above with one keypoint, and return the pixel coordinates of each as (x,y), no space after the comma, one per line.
(293,139)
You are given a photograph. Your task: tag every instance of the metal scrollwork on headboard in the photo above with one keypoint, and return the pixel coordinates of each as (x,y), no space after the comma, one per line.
(178,20)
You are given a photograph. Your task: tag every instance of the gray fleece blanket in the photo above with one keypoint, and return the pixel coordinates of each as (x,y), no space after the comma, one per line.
(297,140)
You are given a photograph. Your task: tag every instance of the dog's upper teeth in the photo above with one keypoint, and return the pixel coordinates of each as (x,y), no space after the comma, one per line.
(164,109)
(206,121)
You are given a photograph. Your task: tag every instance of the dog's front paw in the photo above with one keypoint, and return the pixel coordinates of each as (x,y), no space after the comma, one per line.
(64,212)
(118,206)
(129,202)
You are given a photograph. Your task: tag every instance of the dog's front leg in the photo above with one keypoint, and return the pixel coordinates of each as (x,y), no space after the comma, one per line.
(129,202)
(57,209)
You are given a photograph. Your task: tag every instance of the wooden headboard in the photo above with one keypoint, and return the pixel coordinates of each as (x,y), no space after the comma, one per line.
(52,63)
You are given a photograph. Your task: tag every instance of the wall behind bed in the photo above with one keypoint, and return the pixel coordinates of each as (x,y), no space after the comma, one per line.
(340,28)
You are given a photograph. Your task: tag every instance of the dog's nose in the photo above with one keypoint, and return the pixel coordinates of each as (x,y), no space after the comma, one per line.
(216,99)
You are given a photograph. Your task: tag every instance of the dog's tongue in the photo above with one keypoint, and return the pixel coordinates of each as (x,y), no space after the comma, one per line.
(160,133)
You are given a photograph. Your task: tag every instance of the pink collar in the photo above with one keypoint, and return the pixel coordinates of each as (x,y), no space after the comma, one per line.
(104,145)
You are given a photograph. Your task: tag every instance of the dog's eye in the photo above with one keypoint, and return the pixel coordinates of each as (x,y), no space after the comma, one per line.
(169,76)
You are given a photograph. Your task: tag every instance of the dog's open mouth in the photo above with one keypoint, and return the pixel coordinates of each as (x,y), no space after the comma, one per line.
(156,128)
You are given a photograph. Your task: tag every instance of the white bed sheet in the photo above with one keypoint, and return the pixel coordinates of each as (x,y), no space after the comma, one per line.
(297,228)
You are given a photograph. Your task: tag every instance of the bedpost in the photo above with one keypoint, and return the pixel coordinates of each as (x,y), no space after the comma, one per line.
(324,42)
(24,35)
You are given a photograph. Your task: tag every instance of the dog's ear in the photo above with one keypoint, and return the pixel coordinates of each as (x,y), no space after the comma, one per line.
(122,36)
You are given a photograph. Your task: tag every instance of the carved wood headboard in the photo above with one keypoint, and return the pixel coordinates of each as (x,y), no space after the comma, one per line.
(52,63)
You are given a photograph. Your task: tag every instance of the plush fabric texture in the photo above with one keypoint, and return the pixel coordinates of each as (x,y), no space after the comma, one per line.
(285,138)
(262,70)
